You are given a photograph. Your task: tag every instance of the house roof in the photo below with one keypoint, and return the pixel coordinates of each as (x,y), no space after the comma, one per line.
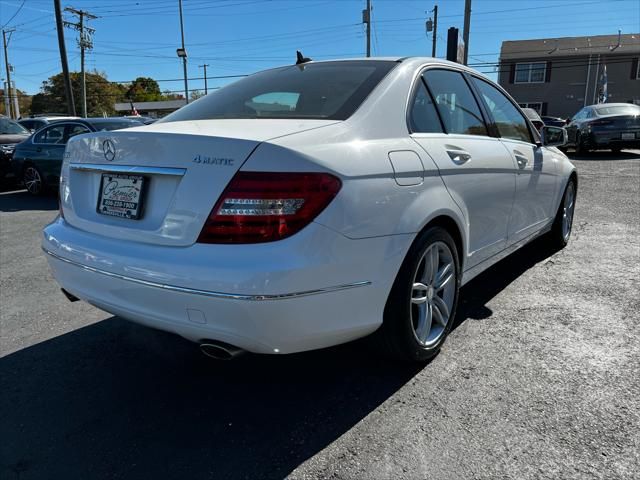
(571,46)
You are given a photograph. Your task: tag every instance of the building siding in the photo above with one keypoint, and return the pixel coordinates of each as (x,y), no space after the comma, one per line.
(570,84)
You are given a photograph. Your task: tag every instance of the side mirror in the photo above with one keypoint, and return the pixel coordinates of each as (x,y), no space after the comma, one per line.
(553,136)
(567,121)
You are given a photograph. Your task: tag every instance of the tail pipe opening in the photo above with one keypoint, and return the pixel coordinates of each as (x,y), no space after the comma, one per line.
(219,350)
(70,297)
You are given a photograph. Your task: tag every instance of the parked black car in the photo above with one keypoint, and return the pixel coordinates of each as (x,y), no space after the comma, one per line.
(11,133)
(37,161)
(37,122)
(605,126)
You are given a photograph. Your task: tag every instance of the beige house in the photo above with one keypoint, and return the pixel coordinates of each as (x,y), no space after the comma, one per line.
(559,76)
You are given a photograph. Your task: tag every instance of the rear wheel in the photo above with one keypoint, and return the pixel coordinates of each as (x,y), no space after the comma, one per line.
(421,307)
(563,223)
(33,180)
(581,147)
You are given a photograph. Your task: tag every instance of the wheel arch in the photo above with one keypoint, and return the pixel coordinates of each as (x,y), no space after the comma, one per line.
(448,223)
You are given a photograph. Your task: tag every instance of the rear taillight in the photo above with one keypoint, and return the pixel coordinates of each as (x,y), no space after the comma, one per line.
(264,206)
(599,123)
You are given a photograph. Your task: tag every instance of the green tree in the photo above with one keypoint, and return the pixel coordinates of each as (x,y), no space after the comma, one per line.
(101,95)
(144,89)
(24,102)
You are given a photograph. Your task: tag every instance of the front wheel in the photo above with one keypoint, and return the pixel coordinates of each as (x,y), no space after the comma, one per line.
(33,180)
(421,307)
(563,223)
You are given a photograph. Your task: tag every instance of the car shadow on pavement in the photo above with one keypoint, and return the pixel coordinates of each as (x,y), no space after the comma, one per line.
(600,155)
(475,295)
(21,200)
(116,400)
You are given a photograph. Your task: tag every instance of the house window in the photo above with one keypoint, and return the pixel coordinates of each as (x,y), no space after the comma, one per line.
(530,72)
(537,106)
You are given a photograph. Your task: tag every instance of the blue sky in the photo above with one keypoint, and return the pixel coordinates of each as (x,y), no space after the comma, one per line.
(139,37)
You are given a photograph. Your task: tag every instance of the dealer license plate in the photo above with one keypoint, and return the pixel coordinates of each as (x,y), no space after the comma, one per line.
(628,136)
(121,195)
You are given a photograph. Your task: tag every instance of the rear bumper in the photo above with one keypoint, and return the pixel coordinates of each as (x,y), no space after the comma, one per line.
(281,297)
(612,139)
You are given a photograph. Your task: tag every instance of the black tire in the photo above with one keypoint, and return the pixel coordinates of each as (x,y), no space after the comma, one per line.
(558,236)
(581,147)
(397,337)
(33,180)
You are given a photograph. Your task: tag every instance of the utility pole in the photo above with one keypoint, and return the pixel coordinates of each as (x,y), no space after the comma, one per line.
(7,93)
(85,43)
(465,32)
(366,18)
(183,54)
(205,76)
(63,59)
(432,26)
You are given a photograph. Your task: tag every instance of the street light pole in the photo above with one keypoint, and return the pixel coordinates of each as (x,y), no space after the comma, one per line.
(184,57)
(435,30)
(7,93)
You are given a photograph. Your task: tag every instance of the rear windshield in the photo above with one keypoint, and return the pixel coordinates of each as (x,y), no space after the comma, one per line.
(327,90)
(7,127)
(115,125)
(618,110)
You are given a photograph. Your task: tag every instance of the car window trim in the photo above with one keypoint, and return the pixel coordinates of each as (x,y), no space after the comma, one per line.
(532,137)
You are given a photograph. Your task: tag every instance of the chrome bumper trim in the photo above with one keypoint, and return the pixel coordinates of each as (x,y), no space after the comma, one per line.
(208,293)
(98,167)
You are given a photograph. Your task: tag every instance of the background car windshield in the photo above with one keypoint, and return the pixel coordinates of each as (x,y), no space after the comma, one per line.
(7,127)
(618,110)
(327,90)
(115,125)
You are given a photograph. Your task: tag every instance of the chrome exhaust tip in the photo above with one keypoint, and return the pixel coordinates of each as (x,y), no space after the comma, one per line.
(220,350)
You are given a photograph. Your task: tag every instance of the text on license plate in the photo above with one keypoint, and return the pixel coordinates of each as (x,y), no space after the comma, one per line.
(628,136)
(121,195)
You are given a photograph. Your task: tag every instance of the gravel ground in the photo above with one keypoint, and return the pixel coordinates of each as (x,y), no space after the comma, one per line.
(539,379)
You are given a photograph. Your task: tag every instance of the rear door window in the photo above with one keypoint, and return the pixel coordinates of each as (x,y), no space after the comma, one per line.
(509,121)
(423,117)
(456,104)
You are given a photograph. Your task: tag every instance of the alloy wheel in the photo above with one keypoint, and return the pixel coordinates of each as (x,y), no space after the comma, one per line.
(567,210)
(32,180)
(433,294)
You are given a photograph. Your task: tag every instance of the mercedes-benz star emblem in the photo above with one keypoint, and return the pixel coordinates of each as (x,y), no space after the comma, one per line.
(109,150)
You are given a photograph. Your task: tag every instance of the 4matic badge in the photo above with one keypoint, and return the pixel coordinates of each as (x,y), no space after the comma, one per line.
(212,160)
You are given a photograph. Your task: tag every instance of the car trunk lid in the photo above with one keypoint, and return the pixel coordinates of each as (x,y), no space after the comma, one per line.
(183,168)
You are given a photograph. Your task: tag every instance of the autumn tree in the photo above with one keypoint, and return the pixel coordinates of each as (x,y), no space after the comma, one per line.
(101,95)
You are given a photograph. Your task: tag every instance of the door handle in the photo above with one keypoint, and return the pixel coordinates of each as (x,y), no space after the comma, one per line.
(459,156)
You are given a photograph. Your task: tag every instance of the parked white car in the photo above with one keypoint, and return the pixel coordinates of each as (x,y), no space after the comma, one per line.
(310,205)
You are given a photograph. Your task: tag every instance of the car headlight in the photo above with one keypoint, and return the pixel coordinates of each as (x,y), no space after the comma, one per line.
(7,148)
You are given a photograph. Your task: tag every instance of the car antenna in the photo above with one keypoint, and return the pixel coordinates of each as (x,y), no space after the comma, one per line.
(300,59)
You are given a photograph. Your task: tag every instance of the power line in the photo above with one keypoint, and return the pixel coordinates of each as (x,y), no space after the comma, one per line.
(14,15)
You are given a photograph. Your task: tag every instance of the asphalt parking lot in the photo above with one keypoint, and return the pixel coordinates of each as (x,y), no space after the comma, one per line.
(539,379)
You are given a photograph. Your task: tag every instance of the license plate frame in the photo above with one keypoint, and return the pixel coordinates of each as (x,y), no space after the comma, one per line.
(122,195)
(627,136)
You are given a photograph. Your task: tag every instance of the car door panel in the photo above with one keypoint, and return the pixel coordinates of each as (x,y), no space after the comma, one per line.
(475,168)
(479,175)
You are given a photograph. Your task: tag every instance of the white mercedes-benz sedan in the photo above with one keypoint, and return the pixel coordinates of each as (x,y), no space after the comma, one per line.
(310,205)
